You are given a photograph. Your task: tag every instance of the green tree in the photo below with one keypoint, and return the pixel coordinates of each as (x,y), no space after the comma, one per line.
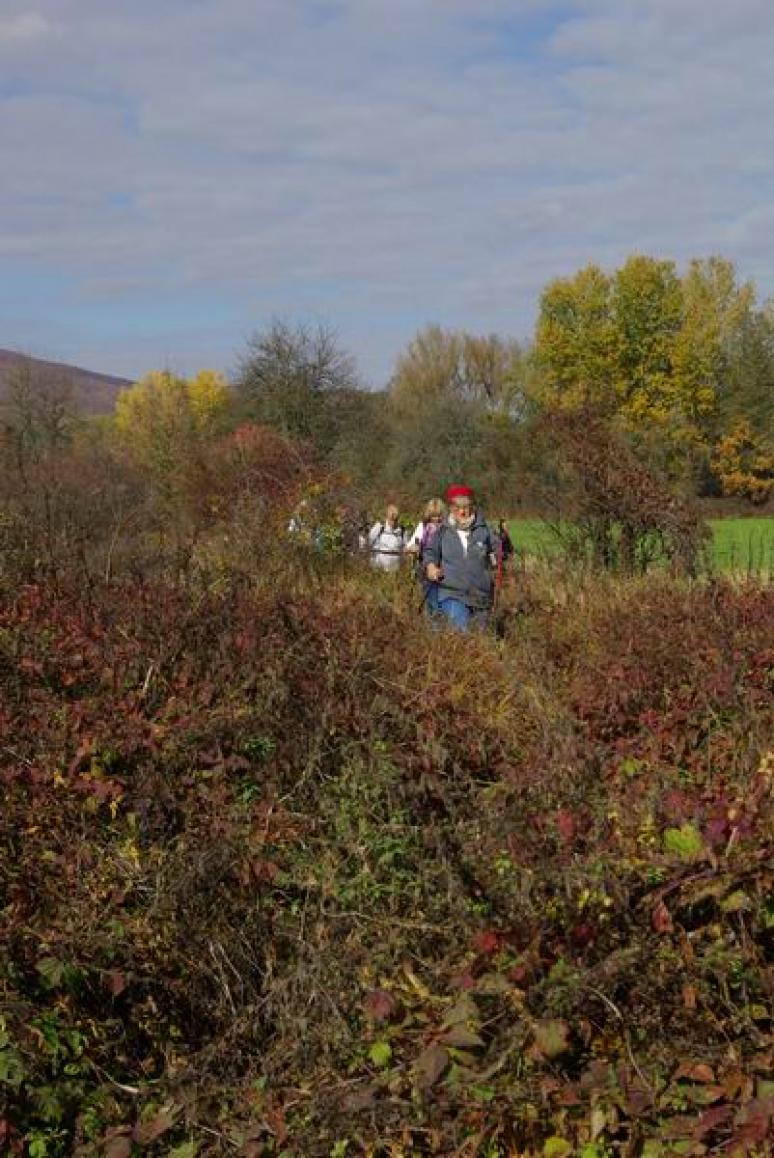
(716,311)
(748,387)
(454,402)
(292,378)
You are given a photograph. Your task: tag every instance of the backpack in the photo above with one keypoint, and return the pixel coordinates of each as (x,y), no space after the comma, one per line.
(429,531)
(398,531)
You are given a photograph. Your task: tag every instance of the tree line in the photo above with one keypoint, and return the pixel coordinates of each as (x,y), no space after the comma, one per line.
(665,376)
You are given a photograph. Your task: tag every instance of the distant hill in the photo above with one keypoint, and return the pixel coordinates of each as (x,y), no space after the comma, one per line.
(93,393)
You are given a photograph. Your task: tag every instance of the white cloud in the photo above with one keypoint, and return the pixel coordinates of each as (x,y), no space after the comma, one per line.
(378,162)
(25,26)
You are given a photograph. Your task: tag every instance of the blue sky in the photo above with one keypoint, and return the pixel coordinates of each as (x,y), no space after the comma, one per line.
(177,173)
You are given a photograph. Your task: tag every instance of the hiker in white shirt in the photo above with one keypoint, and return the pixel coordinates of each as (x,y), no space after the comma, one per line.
(386,541)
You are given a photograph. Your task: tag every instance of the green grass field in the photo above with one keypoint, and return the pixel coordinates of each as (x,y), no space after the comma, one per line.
(738,544)
(745,544)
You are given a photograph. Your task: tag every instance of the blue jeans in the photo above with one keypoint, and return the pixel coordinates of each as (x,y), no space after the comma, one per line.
(430,600)
(460,616)
(456,612)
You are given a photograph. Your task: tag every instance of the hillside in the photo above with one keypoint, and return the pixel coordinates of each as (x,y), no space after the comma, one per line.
(94,393)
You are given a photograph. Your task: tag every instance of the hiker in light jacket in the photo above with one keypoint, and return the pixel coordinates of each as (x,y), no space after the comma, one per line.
(386,541)
(460,559)
(417,546)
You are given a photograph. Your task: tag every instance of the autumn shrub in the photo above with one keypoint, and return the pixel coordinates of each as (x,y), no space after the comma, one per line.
(284,871)
(76,512)
(607,505)
(92,512)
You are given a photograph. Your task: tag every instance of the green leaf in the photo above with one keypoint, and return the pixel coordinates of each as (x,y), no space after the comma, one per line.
(51,971)
(685,842)
(184,1150)
(736,902)
(557,1148)
(12,1071)
(380,1054)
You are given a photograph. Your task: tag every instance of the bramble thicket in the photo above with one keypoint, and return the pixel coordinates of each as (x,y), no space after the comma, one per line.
(282,870)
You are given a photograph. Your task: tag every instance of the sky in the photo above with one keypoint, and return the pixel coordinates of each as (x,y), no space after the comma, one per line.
(177,173)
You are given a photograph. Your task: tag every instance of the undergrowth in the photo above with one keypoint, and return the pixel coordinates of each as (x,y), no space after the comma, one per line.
(285,872)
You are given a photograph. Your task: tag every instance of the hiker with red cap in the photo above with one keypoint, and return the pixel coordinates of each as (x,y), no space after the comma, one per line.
(460,560)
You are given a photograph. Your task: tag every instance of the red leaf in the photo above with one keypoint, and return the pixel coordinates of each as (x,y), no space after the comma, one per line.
(85,750)
(711,1119)
(661,919)
(756,1129)
(754,1122)
(694,1071)
(565,822)
(120,1147)
(264,871)
(464,981)
(689,996)
(569,1095)
(275,1118)
(582,935)
(116,982)
(380,1005)
(486,942)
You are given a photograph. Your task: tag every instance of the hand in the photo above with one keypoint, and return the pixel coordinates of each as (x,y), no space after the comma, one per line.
(434,573)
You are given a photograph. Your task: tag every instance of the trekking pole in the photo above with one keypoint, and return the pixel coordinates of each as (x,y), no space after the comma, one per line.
(498,583)
(421,607)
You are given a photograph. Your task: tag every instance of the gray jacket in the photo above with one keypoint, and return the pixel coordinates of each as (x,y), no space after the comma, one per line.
(466,576)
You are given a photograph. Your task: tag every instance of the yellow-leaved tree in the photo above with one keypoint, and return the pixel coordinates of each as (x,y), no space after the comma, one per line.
(163,418)
(576,343)
(648,348)
(744,464)
(715,310)
(646,305)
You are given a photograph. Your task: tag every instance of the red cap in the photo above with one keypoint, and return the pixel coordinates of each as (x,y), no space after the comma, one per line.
(457,492)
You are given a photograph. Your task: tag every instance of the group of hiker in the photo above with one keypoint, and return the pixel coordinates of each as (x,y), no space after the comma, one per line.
(458,557)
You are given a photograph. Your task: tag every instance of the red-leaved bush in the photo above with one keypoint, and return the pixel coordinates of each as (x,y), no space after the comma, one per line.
(283,869)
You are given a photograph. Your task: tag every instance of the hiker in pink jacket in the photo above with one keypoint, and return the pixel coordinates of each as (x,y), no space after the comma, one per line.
(417,545)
